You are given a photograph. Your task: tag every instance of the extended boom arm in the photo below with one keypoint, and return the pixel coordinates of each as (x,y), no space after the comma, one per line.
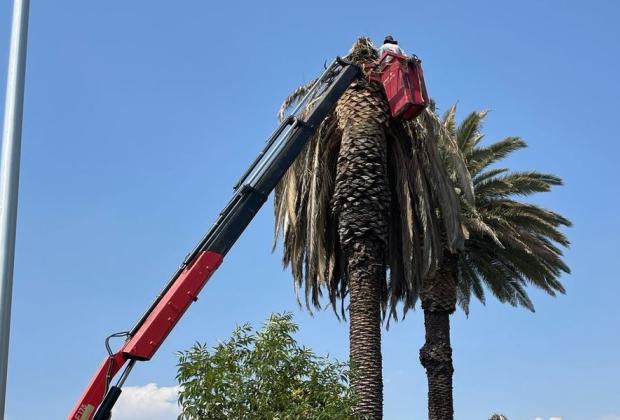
(250,194)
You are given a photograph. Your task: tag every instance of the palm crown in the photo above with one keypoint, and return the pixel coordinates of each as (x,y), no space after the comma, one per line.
(511,244)
(419,186)
(370,195)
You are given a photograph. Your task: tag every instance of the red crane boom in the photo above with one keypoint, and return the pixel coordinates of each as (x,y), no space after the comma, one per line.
(405,91)
(250,193)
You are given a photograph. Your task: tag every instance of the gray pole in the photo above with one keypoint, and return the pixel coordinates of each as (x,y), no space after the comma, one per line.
(9,177)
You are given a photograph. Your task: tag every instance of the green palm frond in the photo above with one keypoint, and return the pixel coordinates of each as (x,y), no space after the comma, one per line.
(491,173)
(449,120)
(515,183)
(511,244)
(469,132)
(479,158)
(534,219)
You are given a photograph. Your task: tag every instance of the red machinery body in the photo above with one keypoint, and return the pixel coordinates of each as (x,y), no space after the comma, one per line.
(403,82)
(154,330)
(404,87)
(250,193)
(146,341)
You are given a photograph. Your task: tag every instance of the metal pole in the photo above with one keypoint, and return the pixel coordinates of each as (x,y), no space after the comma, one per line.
(9,177)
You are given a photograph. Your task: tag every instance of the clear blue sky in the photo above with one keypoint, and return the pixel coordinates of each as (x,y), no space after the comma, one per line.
(140,116)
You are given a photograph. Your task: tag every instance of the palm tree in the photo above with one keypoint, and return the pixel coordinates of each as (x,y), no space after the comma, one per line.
(510,245)
(361,201)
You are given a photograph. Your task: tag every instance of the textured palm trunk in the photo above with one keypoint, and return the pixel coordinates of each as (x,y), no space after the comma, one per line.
(361,203)
(365,269)
(439,301)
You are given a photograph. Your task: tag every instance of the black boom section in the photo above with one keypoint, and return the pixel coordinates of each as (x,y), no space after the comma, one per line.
(257,182)
(250,198)
(262,176)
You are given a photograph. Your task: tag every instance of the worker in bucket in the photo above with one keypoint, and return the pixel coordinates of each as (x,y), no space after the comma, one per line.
(391,45)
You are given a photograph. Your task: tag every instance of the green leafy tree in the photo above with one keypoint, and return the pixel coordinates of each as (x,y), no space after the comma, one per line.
(262,374)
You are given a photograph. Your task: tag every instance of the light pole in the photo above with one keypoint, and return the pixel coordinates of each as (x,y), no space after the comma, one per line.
(9,177)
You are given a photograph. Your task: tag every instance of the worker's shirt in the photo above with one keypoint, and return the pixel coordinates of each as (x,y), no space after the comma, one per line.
(392,48)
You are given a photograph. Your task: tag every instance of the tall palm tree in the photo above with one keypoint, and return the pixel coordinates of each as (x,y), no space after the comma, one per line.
(510,245)
(361,201)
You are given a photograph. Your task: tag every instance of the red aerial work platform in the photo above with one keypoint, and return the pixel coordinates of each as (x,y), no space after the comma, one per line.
(403,81)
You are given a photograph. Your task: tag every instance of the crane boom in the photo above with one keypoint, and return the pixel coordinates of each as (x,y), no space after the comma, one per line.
(250,193)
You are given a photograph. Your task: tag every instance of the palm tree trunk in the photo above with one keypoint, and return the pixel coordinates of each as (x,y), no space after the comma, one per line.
(361,203)
(365,272)
(439,301)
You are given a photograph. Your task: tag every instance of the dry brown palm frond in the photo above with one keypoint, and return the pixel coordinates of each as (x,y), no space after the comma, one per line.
(294,98)
(302,211)
(449,120)
(438,134)
(362,51)
(424,204)
(473,222)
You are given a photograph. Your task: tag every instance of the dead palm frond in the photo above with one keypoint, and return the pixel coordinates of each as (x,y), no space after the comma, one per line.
(422,188)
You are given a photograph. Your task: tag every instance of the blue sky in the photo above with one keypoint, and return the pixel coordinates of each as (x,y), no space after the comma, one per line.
(139,117)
